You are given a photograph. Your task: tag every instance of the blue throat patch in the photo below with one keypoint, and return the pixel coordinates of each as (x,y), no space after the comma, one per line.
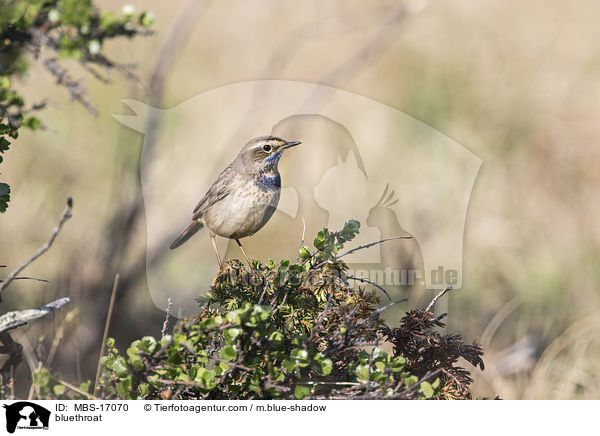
(269,181)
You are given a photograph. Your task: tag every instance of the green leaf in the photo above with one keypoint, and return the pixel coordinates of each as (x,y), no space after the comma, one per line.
(144,389)
(228,353)
(85,386)
(276,337)
(120,367)
(231,333)
(262,312)
(147,19)
(209,380)
(147,344)
(398,362)
(289,365)
(300,356)
(234,317)
(362,372)
(427,389)
(124,387)
(410,380)
(58,390)
(380,354)
(108,362)
(350,230)
(322,365)
(42,378)
(304,252)
(319,241)
(33,123)
(301,392)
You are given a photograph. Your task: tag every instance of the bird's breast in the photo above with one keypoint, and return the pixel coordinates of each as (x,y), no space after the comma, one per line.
(245,210)
(269,181)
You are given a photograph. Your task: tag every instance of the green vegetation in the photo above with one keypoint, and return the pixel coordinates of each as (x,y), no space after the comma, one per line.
(287,330)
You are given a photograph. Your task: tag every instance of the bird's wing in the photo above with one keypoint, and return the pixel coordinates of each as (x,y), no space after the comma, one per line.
(218,191)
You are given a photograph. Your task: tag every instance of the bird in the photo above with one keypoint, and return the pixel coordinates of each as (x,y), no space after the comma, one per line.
(243,197)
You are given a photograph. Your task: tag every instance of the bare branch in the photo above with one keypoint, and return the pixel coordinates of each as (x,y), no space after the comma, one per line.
(75,389)
(166,323)
(371,283)
(382,309)
(29,278)
(437,297)
(62,76)
(18,318)
(361,247)
(66,214)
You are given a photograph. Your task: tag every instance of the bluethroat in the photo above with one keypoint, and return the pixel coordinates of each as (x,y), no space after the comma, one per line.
(244,196)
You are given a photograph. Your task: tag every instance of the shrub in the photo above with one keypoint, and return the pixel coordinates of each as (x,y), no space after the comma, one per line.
(293,330)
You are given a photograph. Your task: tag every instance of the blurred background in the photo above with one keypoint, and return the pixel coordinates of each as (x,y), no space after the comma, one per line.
(518,86)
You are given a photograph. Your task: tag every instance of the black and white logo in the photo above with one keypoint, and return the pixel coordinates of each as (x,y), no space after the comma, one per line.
(26,415)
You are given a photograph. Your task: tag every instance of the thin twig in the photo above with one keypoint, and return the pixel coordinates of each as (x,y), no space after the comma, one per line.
(303,230)
(29,278)
(235,365)
(66,214)
(382,309)
(406,393)
(321,317)
(106,326)
(179,382)
(76,389)
(369,367)
(437,297)
(33,388)
(166,323)
(371,283)
(360,247)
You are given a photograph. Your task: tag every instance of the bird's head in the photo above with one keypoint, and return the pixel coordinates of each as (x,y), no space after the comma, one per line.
(264,152)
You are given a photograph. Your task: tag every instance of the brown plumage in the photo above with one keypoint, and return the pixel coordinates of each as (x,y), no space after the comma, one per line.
(244,196)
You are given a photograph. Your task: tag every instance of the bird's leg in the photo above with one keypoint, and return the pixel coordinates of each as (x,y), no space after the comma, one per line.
(244,251)
(214,244)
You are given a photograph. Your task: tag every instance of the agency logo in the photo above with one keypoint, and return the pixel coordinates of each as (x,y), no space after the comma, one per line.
(26,415)
(359,159)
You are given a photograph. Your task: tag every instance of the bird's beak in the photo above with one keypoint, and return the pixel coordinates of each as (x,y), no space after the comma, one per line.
(290,144)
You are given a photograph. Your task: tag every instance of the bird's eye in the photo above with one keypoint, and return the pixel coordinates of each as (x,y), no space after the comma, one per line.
(267,148)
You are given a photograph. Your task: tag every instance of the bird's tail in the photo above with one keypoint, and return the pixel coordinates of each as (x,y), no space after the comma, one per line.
(187,233)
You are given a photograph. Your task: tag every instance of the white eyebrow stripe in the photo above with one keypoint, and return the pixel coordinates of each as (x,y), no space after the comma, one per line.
(264,142)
